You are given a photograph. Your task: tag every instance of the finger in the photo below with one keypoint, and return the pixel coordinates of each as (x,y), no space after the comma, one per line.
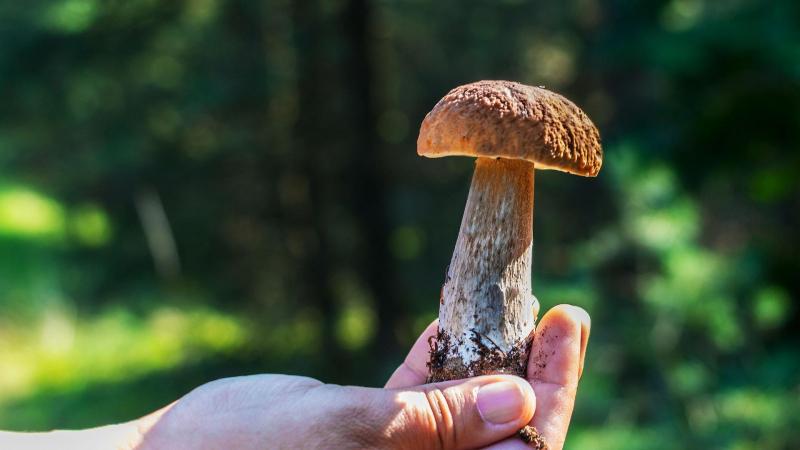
(414,369)
(458,414)
(554,368)
(559,346)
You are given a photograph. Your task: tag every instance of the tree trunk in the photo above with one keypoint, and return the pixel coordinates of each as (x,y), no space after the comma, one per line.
(369,186)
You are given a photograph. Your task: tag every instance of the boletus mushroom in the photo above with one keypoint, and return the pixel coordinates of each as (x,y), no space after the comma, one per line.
(486,312)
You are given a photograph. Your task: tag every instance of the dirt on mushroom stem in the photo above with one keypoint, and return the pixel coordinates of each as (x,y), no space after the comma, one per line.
(492,360)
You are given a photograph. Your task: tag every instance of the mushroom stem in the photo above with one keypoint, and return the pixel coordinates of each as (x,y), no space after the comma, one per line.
(486,313)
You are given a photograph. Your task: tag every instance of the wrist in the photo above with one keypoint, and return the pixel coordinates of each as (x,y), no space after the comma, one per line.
(118,437)
(124,436)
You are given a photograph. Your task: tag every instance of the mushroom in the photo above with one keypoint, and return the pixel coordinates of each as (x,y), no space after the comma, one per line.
(486,312)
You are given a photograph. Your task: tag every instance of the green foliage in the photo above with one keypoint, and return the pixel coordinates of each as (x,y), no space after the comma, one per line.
(193,189)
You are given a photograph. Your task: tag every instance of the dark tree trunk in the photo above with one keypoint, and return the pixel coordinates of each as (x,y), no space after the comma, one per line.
(370,187)
(310,147)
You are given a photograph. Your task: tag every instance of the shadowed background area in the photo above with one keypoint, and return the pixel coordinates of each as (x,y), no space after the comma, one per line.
(194,189)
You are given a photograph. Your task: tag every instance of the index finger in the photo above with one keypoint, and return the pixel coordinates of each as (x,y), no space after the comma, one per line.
(414,369)
(554,368)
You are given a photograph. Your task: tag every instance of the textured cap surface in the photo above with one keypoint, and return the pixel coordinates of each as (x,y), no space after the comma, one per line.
(511,120)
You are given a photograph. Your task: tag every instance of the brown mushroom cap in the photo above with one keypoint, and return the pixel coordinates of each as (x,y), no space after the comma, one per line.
(504,119)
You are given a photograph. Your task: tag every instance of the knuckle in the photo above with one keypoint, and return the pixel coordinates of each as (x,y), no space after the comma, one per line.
(441,419)
(415,420)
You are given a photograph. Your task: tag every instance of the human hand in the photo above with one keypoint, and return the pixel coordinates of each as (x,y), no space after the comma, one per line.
(277,411)
(554,368)
(287,412)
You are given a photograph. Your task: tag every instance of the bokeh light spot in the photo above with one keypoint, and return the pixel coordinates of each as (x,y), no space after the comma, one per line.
(90,226)
(24,212)
(357,320)
(680,15)
(355,325)
(71,16)
(407,242)
(551,62)
(770,307)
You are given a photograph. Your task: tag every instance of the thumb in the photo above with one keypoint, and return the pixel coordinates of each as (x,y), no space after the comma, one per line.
(450,415)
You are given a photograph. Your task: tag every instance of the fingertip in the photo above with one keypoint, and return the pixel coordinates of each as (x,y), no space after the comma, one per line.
(559,345)
(527,393)
(568,315)
(429,333)
(582,316)
(530,399)
(432,327)
(404,377)
(517,394)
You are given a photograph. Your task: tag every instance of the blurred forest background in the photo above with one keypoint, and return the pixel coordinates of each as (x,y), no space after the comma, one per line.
(193,189)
